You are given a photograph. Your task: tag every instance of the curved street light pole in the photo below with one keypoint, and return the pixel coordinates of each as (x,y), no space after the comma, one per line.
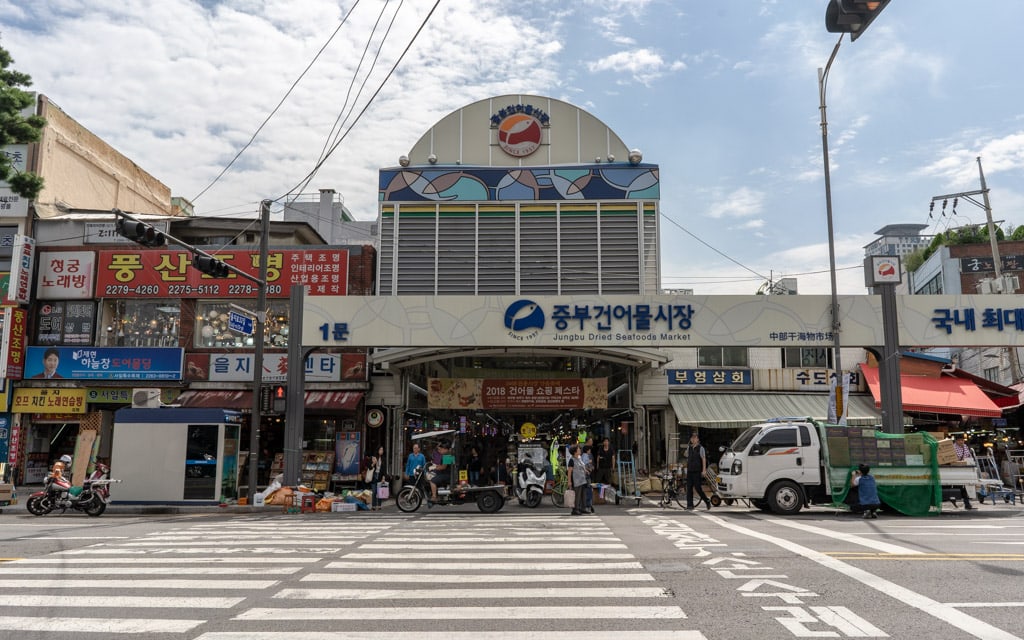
(822,80)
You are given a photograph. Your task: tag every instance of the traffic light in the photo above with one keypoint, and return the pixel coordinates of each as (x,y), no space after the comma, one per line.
(280,395)
(211,266)
(852,16)
(140,232)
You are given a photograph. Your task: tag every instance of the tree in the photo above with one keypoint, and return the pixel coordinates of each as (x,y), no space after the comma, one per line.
(15,128)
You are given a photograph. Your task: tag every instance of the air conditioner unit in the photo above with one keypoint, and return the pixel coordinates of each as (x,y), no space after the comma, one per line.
(146,399)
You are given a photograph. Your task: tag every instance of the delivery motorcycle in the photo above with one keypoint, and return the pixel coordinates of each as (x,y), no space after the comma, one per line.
(529,484)
(417,491)
(91,498)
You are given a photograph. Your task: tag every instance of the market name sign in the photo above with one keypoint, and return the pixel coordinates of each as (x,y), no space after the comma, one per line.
(656,321)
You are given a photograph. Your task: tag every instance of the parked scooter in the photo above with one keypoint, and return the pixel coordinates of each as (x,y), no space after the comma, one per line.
(92,497)
(529,484)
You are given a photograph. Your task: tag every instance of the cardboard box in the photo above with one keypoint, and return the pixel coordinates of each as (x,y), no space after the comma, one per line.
(839,451)
(338,505)
(835,432)
(947,454)
(6,492)
(912,442)
(883,443)
(915,460)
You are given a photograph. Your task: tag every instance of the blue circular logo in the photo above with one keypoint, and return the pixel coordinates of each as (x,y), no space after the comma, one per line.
(522,315)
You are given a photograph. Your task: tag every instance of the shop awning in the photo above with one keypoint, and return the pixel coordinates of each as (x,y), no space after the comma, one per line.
(242,400)
(739,410)
(944,395)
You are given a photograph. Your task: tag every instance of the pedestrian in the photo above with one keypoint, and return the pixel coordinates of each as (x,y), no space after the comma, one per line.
(588,489)
(380,479)
(965,454)
(578,476)
(605,463)
(696,465)
(415,460)
(867,492)
(473,466)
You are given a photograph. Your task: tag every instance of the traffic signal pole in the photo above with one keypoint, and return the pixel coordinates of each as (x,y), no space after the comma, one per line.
(257,378)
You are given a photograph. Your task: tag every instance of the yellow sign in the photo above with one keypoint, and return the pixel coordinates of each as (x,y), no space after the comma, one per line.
(528,431)
(49,401)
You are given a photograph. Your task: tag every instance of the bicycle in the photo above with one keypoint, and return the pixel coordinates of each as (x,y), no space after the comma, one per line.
(560,485)
(671,490)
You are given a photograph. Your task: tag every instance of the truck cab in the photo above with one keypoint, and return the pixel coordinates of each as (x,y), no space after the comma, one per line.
(774,465)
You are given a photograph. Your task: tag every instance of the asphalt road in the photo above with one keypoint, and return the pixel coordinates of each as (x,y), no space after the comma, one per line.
(456,574)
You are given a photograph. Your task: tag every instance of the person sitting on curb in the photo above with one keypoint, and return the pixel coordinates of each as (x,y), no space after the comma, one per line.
(867,493)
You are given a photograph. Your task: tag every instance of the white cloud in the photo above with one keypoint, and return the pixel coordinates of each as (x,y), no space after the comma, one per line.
(644,65)
(740,203)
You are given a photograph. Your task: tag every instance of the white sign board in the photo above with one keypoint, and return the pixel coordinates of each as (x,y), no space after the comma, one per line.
(66,275)
(238,367)
(656,321)
(11,204)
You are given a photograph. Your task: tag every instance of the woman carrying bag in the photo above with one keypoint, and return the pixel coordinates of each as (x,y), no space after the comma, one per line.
(379,484)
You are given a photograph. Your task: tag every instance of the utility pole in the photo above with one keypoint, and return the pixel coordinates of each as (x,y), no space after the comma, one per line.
(257,378)
(997,262)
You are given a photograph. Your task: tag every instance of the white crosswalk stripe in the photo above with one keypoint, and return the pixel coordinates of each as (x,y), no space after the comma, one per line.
(273,578)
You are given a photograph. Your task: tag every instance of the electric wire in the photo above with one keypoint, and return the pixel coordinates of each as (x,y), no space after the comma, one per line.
(279,104)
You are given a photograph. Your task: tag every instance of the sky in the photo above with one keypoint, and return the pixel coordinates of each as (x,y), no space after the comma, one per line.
(723,96)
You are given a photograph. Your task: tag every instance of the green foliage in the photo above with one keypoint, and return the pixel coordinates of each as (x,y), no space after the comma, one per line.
(970,234)
(16,128)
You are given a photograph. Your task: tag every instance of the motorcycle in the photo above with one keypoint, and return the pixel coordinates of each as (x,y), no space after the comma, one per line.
(91,498)
(529,484)
(417,491)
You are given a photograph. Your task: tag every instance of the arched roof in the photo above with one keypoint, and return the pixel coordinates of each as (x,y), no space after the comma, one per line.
(469,135)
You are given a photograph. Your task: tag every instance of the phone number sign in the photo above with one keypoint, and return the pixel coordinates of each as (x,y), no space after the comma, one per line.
(134,273)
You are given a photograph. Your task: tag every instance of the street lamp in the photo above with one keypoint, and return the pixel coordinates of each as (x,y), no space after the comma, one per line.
(853,17)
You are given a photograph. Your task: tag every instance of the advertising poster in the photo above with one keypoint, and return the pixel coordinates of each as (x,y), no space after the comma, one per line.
(483,393)
(104,363)
(347,455)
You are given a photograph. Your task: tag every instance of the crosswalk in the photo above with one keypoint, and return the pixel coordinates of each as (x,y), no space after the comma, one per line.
(452,576)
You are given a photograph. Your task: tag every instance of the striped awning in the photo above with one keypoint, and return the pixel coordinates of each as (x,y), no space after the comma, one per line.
(736,410)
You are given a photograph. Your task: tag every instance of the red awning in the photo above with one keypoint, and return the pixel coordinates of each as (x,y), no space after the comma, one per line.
(945,394)
(337,400)
(329,400)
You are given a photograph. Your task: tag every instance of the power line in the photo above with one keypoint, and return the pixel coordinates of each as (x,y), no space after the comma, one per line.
(279,104)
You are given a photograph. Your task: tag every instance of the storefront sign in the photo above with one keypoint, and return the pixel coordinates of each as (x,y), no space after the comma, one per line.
(7,234)
(644,323)
(5,395)
(982,264)
(12,350)
(19,289)
(11,204)
(728,378)
(65,275)
(479,393)
(109,395)
(238,367)
(134,273)
(71,401)
(67,323)
(106,232)
(5,436)
(105,363)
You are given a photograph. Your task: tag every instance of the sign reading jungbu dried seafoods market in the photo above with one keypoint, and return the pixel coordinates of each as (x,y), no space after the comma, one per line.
(490,393)
(130,273)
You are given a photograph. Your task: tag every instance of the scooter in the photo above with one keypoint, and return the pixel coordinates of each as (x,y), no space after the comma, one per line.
(91,498)
(529,484)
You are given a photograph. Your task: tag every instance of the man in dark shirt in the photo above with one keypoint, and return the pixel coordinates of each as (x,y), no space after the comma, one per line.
(696,465)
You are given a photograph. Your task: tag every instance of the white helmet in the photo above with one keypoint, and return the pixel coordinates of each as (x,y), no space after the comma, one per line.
(66,459)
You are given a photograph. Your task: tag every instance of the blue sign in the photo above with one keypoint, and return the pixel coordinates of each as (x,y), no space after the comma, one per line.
(104,363)
(5,436)
(240,323)
(710,377)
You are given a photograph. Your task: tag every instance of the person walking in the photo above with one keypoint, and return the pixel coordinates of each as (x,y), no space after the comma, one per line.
(578,478)
(696,465)
(605,463)
(964,453)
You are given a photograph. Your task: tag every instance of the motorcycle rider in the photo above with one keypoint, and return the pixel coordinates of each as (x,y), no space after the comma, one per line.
(441,475)
(61,473)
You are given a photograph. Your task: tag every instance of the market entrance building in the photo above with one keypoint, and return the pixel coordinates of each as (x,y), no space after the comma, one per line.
(518,195)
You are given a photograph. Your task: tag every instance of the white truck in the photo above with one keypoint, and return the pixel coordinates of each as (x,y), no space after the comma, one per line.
(784,464)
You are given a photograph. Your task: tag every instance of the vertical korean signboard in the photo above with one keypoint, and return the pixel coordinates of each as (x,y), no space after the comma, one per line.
(19,289)
(12,350)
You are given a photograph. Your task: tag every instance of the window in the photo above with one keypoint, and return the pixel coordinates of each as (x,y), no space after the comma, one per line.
(781,437)
(139,323)
(991,373)
(722,356)
(801,357)
(212,326)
